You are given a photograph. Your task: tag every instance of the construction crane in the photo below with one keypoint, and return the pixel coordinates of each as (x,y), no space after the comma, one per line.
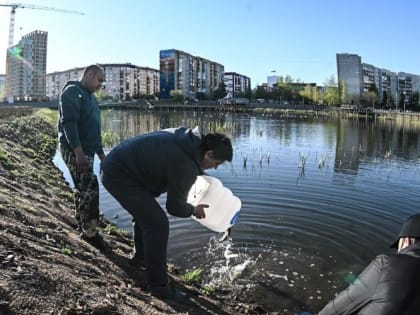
(15,6)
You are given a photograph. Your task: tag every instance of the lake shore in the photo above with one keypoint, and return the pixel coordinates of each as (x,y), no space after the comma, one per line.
(45,267)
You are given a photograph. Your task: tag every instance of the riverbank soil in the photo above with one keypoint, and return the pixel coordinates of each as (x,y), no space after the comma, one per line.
(45,267)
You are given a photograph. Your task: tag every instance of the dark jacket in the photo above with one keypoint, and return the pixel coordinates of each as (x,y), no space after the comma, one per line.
(162,161)
(390,285)
(80,119)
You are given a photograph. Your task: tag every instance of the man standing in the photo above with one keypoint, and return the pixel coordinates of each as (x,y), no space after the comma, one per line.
(141,168)
(390,285)
(79,131)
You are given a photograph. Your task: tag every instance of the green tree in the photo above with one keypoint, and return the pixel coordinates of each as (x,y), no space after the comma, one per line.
(331,95)
(220,92)
(414,101)
(310,94)
(401,100)
(101,96)
(260,92)
(288,79)
(389,100)
(342,92)
(285,92)
(177,95)
(372,95)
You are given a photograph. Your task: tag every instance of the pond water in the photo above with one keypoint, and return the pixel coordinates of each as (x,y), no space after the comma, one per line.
(320,199)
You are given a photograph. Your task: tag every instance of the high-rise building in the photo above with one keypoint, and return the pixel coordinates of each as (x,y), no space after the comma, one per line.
(349,70)
(123,81)
(359,78)
(237,85)
(194,77)
(26,67)
(2,87)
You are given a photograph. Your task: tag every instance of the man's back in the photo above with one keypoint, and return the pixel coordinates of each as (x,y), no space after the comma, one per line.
(390,285)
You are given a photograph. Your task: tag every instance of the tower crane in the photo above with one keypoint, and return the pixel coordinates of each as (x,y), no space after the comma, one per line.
(15,6)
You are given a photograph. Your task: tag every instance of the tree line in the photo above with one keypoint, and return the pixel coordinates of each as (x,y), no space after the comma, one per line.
(290,91)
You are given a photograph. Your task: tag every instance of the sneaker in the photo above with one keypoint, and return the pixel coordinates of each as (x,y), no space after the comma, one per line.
(98,242)
(168,292)
(137,262)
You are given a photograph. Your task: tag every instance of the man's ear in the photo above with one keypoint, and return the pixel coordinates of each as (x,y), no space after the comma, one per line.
(405,242)
(209,154)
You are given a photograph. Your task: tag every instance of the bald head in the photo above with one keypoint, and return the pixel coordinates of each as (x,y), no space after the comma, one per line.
(92,78)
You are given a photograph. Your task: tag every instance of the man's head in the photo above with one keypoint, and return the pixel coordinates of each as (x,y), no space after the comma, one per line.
(215,150)
(92,78)
(409,234)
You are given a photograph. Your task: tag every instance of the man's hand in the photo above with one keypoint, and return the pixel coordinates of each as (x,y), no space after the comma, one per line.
(101,157)
(82,162)
(199,212)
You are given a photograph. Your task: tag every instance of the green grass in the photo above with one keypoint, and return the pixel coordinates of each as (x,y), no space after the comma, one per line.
(110,139)
(112,229)
(208,290)
(4,157)
(48,114)
(192,276)
(67,251)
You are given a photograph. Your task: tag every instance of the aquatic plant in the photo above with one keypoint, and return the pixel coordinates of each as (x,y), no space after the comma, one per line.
(302,161)
(321,162)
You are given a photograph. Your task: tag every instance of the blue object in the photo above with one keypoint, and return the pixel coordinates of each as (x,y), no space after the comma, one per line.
(235,218)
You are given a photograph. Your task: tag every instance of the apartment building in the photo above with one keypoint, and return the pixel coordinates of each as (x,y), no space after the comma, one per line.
(359,77)
(26,66)
(194,77)
(55,81)
(237,85)
(123,81)
(2,87)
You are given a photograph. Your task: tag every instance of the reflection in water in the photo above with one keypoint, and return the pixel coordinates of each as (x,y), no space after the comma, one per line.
(320,198)
(360,139)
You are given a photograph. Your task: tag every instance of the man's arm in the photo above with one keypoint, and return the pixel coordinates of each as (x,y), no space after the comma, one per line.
(70,104)
(357,294)
(181,175)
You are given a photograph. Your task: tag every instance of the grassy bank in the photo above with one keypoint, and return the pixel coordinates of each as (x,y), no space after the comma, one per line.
(45,267)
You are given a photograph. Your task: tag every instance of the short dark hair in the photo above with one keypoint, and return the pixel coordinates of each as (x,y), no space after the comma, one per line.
(219,144)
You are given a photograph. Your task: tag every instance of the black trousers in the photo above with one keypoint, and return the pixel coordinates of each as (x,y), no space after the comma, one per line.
(150,224)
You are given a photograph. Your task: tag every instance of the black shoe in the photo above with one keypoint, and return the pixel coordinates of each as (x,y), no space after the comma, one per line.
(137,262)
(98,242)
(168,292)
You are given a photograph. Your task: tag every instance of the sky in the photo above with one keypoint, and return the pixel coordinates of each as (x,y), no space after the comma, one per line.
(259,38)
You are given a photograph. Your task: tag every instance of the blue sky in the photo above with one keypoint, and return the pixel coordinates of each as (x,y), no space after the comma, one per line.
(297,38)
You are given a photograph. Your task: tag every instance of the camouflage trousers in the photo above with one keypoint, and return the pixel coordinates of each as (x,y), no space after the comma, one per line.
(86,197)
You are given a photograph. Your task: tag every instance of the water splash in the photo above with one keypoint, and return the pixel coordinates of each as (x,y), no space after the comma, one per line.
(227,265)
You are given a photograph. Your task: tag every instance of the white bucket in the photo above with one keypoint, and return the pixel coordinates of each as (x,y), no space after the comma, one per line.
(224,207)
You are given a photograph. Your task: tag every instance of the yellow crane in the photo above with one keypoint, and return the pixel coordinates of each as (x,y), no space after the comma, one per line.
(15,6)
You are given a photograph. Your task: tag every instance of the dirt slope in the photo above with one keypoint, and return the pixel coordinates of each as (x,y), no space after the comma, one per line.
(45,268)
